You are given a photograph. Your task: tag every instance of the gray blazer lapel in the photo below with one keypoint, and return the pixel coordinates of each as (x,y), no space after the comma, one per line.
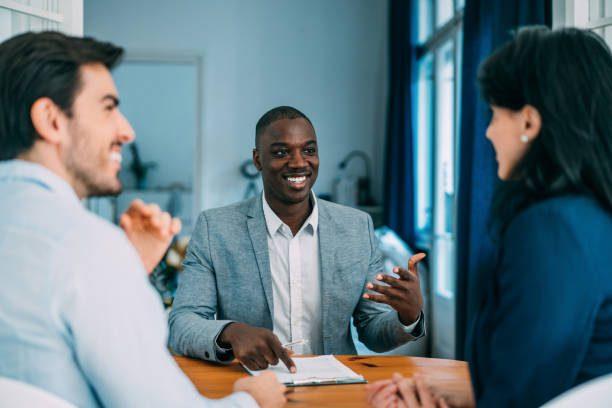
(256,224)
(327,249)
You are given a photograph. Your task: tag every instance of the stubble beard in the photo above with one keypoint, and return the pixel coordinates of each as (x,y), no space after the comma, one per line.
(87,171)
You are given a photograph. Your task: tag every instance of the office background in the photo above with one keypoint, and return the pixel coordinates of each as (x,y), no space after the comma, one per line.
(394,79)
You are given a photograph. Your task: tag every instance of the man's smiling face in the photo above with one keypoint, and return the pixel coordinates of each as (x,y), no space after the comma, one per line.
(288,158)
(97,130)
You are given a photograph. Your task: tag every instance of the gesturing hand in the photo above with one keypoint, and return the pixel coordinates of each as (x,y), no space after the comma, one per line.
(150,230)
(255,347)
(403,293)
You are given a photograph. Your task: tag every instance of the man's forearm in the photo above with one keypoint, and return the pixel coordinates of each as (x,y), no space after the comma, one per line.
(194,336)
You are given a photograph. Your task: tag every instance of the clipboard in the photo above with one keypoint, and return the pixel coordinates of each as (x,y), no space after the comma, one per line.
(318,370)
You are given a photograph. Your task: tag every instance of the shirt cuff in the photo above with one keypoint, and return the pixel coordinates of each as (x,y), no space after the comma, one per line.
(416,328)
(223,354)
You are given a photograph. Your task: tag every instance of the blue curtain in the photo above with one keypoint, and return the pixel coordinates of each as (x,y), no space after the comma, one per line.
(399,172)
(487,24)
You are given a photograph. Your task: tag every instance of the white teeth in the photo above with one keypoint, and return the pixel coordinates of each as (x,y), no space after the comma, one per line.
(297,180)
(115,156)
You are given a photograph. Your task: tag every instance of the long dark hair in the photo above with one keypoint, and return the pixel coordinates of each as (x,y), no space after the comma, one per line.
(566,75)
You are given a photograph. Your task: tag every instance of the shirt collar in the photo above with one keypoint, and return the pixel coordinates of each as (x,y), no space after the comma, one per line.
(274,223)
(34,173)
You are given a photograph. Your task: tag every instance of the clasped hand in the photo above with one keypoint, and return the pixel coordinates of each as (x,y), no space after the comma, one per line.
(402,293)
(400,392)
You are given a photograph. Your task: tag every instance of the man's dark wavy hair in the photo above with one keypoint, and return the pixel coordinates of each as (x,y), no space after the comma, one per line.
(566,75)
(36,65)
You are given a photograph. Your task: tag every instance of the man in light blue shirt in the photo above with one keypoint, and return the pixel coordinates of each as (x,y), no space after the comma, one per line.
(77,315)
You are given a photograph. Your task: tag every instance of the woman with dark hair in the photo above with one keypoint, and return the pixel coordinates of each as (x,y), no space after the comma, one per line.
(544,321)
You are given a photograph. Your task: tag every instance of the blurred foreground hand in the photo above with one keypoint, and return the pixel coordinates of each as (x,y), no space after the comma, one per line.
(264,388)
(150,230)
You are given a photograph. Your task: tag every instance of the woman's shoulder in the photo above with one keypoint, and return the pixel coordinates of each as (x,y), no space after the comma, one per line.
(580,209)
(559,236)
(560,224)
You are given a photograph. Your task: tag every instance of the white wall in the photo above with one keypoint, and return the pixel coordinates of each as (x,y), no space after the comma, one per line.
(327,58)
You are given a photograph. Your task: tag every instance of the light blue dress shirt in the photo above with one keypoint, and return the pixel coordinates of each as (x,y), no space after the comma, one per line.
(77,315)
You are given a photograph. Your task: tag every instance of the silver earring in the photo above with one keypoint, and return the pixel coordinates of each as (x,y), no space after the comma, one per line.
(524,138)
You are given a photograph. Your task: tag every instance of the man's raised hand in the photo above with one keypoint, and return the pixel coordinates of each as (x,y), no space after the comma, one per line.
(150,230)
(402,293)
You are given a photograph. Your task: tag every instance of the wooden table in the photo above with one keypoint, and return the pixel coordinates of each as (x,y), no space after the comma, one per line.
(448,377)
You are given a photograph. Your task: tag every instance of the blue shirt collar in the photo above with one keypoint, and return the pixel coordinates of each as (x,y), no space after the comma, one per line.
(30,172)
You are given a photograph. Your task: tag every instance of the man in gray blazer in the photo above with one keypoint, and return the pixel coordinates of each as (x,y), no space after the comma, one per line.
(287,267)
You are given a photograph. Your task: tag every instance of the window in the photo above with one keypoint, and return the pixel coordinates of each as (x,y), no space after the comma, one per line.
(592,14)
(436,110)
(18,16)
(600,18)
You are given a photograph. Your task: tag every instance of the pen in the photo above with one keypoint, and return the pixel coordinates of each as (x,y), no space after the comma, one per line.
(295,343)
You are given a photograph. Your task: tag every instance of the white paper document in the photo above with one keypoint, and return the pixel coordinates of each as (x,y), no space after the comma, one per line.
(314,371)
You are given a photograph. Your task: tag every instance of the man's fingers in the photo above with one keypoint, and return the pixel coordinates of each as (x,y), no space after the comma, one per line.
(385,290)
(150,215)
(164,223)
(406,275)
(378,288)
(253,360)
(260,362)
(154,212)
(175,226)
(250,364)
(391,281)
(413,261)
(281,353)
(286,359)
(270,357)
(137,206)
(125,221)
(377,298)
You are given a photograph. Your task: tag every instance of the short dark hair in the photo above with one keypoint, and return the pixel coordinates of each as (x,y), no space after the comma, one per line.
(274,114)
(36,65)
(566,75)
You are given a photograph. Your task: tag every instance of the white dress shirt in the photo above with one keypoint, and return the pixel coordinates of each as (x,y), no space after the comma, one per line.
(295,266)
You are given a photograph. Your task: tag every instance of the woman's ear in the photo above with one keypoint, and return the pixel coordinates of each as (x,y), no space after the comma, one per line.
(47,119)
(532,121)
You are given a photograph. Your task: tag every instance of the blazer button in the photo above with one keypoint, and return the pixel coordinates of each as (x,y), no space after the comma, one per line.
(206,354)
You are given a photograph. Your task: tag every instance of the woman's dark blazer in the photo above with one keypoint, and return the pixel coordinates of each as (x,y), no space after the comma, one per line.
(545,318)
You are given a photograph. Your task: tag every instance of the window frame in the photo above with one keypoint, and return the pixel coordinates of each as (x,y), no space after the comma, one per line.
(69,16)
(440,233)
(452,29)
(575,13)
